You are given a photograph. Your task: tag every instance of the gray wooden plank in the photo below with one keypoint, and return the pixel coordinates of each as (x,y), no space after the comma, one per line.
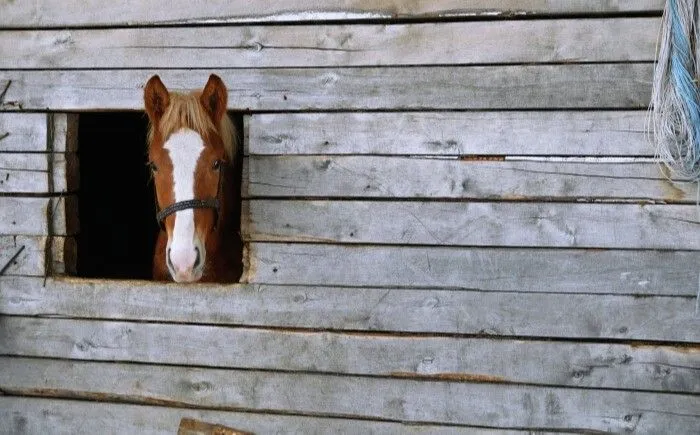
(499,42)
(588,316)
(95,13)
(29,216)
(23,132)
(585,133)
(31,261)
(631,226)
(28,416)
(412,177)
(600,86)
(486,269)
(29,172)
(619,366)
(479,404)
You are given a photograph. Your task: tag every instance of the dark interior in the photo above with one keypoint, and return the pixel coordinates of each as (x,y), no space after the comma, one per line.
(116,199)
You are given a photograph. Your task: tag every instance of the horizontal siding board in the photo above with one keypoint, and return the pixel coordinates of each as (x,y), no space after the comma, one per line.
(600,86)
(31,132)
(27,415)
(619,366)
(490,405)
(29,216)
(96,13)
(473,224)
(411,177)
(420,310)
(31,261)
(529,41)
(29,173)
(587,133)
(526,270)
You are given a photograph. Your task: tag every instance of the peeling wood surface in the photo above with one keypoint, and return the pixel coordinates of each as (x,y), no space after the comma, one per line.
(599,365)
(599,86)
(96,13)
(501,42)
(32,260)
(189,426)
(29,172)
(473,224)
(431,178)
(489,269)
(43,416)
(491,405)
(586,133)
(419,310)
(29,216)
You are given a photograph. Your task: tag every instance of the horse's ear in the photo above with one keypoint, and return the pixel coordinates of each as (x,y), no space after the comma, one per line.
(214,98)
(156,99)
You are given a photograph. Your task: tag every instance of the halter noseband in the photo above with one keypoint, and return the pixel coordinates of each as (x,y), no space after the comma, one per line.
(213,203)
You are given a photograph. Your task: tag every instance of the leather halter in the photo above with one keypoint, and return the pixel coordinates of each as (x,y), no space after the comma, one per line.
(213,203)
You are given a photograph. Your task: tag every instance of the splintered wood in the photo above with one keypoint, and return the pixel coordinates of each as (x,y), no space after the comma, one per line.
(189,426)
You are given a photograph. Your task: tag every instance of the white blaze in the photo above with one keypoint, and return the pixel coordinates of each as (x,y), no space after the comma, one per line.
(184,148)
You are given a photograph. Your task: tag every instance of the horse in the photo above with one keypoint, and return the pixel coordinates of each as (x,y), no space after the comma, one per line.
(191,151)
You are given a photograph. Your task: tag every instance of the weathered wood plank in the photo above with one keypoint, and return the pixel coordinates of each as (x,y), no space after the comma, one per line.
(95,13)
(480,404)
(31,132)
(587,133)
(620,366)
(411,177)
(488,269)
(581,86)
(590,316)
(631,226)
(29,173)
(29,216)
(500,42)
(26,415)
(31,260)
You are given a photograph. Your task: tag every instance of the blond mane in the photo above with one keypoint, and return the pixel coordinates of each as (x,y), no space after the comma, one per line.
(185,111)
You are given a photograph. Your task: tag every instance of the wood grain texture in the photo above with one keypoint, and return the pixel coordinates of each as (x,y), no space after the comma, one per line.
(131,13)
(29,216)
(490,405)
(26,415)
(629,226)
(31,261)
(620,366)
(437,178)
(500,42)
(598,86)
(487,269)
(586,133)
(29,172)
(38,132)
(426,310)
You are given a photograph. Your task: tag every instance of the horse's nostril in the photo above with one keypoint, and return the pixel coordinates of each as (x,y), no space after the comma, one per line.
(170,262)
(198,259)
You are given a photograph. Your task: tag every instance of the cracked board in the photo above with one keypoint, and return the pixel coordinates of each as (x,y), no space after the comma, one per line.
(571,86)
(406,400)
(499,42)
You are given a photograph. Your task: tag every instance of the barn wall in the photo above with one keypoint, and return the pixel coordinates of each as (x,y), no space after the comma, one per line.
(453,219)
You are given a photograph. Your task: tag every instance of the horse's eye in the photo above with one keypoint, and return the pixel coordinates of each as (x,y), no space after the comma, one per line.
(153,166)
(216,165)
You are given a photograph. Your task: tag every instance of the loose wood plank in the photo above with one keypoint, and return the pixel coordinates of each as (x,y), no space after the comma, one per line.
(26,415)
(29,173)
(474,224)
(586,133)
(501,42)
(581,86)
(38,132)
(658,368)
(410,177)
(488,269)
(31,260)
(29,216)
(590,316)
(490,405)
